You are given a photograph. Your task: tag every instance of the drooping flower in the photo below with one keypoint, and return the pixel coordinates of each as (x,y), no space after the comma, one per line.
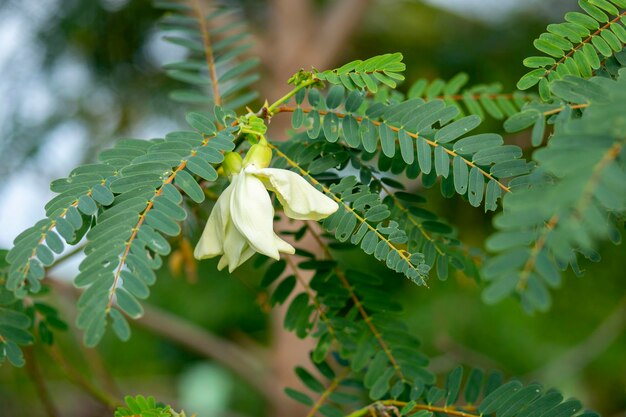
(242,221)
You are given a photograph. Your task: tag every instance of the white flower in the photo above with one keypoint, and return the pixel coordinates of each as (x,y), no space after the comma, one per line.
(242,221)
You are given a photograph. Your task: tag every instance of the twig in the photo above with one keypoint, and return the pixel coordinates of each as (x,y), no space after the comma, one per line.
(76,377)
(578,357)
(311,295)
(208,51)
(393,403)
(66,256)
(359,306)
(34,371)
(332,32)
(431,143)
(199,340)
(328,391)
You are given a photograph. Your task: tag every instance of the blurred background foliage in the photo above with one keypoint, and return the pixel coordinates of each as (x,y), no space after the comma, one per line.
(78,74)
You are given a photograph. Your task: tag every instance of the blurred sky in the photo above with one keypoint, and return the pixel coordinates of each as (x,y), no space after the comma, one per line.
(34,95)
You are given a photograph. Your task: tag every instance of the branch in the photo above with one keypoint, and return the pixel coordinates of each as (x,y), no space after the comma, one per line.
(208,51)
(578,357)
(357,303)
(328,391)
(311,295)
(431,143)
(34,371)
(199,340)
(392,405)
(340,20)
(76,377)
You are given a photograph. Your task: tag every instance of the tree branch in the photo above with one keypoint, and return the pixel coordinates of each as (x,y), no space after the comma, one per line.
(199,340)
(577,358)
(34,371)
(338,23)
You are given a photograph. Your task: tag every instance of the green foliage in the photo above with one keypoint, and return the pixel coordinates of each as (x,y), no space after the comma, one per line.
(367,75)
(480,100)
(14,322)
(216,49)
(578,46)
(416,136)
(140,406)
(22,323)
(572,200)
(364,145)
(123,206)
(349,314)
(478,395)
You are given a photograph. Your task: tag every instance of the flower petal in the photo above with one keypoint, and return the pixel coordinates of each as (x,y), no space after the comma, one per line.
(300,199)
(283,246)
(211,243)
(234,246)
(247,254)
(253,215)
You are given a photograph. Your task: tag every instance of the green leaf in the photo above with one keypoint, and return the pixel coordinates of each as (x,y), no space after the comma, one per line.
(530,79)
(120,325)
(128,304)
(457,128)
(14,354)
(199,166)
(442,162)
(538,61)
(188,184)
(102,195)
(461,175)
(299,397)
(500,289)
(406,146)
(283,290)
(476,187)
(473,386)
(522,120)
(453,385)
(498,397)
(87,205)
(335,96)
(309,381)
(201,123)
(424,157)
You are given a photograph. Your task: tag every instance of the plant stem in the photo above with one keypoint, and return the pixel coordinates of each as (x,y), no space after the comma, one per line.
(393,403)
(272,108)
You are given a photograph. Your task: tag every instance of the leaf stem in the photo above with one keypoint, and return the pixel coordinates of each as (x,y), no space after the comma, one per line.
(394,404)
(208,52)
(274,106)
(431,143)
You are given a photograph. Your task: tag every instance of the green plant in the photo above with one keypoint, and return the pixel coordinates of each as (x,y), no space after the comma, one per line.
(353,134)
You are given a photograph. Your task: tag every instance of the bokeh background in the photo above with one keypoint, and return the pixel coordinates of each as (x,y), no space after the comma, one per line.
(75,75)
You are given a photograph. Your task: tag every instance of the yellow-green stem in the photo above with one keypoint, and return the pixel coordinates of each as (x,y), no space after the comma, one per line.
(272,108)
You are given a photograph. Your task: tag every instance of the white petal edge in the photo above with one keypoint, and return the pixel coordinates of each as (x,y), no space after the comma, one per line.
(300,199)
(253,215)
(283,246)
(211,243)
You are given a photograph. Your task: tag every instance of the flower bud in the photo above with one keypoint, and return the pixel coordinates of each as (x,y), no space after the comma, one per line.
(260,155)
(232,163)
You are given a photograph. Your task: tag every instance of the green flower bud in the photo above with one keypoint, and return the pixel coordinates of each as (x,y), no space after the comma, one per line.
(232,163)
(260,155)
